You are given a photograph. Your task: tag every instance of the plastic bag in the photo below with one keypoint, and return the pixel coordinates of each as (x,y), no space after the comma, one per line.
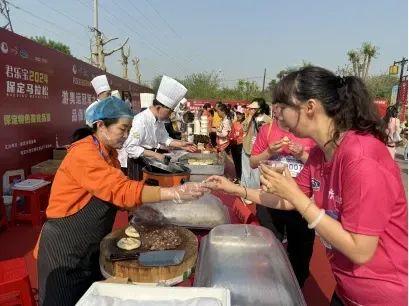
(147,215)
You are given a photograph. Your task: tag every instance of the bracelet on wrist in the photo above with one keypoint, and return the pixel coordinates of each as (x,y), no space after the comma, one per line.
(317,220)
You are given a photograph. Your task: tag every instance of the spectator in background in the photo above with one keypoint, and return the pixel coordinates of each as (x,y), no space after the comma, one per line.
(223,131)
(236,143)
(216,121)
(393,129)
(258,112)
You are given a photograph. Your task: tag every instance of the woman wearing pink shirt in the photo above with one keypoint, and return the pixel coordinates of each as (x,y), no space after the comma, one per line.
(275,142)
(349,190)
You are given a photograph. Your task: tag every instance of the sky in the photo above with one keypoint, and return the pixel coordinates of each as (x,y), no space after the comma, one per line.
(235,39)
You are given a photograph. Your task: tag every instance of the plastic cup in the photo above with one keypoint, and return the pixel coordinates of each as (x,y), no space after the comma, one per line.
(277,166)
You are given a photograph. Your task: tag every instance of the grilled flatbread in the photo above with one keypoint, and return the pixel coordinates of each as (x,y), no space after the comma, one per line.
(128,243)
(132,232)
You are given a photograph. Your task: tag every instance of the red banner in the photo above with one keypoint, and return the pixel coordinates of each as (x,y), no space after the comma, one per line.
(44,96)
(403,99)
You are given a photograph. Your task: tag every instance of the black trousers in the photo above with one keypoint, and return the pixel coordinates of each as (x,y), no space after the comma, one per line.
(300,239)
(336,301)
(236,155)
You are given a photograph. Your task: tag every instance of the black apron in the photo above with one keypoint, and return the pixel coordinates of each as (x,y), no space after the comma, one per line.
(68,258)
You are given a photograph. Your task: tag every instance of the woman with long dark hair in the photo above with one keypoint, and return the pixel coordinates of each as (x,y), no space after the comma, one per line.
(350,190)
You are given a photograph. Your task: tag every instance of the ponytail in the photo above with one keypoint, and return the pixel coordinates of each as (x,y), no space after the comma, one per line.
(345,99)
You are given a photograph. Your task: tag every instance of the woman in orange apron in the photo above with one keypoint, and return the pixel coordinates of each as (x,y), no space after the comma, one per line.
(88,189)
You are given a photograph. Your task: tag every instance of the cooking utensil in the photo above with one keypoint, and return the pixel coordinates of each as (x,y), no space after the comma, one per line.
(154,165)
(152,258)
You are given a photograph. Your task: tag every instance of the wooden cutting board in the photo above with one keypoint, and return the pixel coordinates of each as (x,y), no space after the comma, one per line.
(138,274)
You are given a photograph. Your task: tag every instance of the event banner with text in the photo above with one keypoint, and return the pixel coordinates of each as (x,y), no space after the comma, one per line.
(44,94)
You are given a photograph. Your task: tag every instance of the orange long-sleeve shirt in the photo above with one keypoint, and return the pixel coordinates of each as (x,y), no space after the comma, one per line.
(85,172)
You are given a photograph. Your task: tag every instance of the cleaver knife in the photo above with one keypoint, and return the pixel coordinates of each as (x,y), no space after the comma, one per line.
(152,258)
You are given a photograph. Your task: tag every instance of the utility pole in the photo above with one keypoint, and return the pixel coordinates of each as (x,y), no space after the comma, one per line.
(4,10)
(98,55)
(394,70)
(124,61)
(135,62)
(264,79)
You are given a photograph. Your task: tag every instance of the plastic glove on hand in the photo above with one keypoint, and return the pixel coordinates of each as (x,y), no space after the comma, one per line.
(187,192)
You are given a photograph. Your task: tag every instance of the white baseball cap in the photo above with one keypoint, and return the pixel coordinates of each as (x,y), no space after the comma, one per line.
(100,84)
(170,92)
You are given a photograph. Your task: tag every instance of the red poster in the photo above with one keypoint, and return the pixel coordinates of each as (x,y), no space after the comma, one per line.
(44,94)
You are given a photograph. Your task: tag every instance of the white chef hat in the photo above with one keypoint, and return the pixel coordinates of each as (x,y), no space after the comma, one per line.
(146,99)
(115,93)
(183,101)
(170,92)
(100,84)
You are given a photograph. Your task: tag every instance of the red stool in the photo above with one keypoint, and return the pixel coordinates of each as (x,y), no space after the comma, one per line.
(15,287)
(37,201)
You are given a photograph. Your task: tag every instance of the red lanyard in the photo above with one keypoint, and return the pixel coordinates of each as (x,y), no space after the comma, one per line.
(101,152)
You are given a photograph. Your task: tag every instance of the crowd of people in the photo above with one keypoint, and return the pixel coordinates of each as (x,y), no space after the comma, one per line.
(337,178)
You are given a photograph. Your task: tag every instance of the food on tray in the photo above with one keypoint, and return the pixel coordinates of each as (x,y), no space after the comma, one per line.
(128,243)
(157,238)
(132,232)
(286,140)
(200,162)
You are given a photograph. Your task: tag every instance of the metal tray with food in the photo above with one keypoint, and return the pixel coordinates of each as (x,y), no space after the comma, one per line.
(206,212)
(250,262)
(204,164)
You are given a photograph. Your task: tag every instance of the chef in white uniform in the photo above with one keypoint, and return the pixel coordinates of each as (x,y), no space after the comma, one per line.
(148,134)
(103,90)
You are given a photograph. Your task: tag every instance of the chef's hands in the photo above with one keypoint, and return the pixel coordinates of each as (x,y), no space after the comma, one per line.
(190,147)
(186,192)
(279,184)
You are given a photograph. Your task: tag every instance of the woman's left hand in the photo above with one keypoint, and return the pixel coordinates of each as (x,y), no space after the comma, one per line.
(279,184)
(296,149)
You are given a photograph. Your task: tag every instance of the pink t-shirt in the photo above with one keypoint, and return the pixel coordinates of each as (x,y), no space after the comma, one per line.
(361,187)
(270,133)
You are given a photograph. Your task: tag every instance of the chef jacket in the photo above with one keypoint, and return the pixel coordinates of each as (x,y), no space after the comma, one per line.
(146,132)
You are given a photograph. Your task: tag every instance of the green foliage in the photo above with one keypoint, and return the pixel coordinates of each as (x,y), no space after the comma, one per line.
(206,85)
(381,85)
(361,59)
(56,45)
(202,85)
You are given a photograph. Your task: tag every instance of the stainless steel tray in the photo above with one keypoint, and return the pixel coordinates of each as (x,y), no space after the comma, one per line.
(250,262)
(206,212)
(216,169)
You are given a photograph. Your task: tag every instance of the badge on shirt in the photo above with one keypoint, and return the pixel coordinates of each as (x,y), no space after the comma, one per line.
(136,135)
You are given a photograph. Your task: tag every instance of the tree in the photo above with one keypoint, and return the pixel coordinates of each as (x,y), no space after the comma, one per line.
(381,85)
(56,45)
(202,85)
(361,59)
